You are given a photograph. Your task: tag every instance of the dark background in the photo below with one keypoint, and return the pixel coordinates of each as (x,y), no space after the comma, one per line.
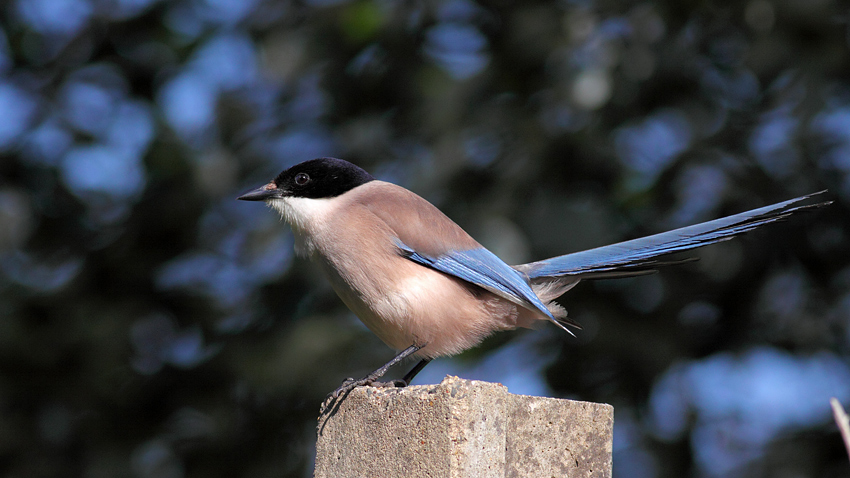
(152,326)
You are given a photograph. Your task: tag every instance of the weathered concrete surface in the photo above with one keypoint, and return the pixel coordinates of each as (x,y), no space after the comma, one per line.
(463,428)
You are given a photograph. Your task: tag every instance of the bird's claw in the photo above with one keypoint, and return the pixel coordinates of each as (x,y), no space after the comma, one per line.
(347,386)
(350,384)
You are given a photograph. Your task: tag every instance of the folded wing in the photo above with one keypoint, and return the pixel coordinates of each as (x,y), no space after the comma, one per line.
(484,269)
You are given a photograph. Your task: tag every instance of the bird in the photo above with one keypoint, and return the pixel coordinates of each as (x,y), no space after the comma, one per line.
(425,287)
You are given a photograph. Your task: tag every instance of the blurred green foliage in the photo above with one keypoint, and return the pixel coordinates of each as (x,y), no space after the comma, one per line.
(150,325)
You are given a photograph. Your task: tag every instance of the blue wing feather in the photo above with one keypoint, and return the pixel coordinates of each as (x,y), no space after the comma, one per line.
(484,269)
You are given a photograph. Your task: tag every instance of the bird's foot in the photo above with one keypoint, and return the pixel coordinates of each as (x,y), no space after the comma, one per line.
(350,384)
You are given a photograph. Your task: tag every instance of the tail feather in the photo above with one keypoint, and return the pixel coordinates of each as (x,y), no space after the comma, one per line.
(640,256)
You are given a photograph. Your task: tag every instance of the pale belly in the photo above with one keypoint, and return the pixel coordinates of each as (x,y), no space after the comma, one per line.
(407,304)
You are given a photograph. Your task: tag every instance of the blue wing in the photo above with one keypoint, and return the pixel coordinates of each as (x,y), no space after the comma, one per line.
(639,256)
(484,269)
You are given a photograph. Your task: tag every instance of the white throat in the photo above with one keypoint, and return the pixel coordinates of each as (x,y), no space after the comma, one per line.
(306,217)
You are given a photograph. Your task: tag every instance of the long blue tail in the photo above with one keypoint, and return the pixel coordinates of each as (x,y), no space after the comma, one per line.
(640,256)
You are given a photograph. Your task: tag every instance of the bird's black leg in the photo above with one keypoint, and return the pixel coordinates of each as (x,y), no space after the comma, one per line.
(414,371)
(350,384)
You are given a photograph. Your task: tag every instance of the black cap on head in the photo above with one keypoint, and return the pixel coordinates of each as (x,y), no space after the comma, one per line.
(316,178)
(321,178)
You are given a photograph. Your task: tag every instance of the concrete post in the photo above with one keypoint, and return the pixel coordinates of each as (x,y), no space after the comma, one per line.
(463,428)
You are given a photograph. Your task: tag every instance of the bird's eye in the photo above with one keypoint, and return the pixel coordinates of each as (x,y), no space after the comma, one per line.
(302,179)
